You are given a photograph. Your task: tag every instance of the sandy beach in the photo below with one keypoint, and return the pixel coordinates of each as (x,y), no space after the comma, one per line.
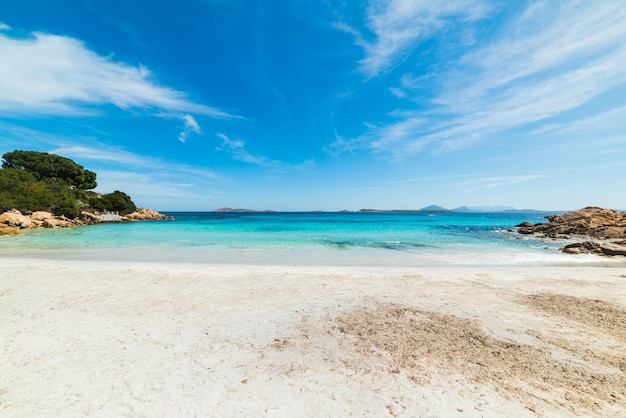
(128,339)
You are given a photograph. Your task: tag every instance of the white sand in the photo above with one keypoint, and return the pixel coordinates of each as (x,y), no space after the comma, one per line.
(111,339)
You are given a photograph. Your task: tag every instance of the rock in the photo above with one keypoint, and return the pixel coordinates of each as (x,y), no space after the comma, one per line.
(591,222)
(56,223)
(9,230)
(600,248)
(16,219)
(587,247)
(612,249)
(525,228)
(525,225)
(13,220)
(90,218)
(143,214)
(41,216)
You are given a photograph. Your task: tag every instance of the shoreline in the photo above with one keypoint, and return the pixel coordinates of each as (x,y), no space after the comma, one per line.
(13,222)
(115,338)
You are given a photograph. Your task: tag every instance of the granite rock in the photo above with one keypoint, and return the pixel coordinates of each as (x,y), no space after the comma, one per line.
(591,222)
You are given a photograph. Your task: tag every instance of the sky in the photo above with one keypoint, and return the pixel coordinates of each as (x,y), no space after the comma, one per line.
(324,104)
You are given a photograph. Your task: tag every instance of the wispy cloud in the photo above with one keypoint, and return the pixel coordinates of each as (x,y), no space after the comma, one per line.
(492,182)
(118,157)
(507,181)
(610,121)
(190,126)
(551,58)
(4,26)
(398,25)
(236,147)
(430,179)
(57,75)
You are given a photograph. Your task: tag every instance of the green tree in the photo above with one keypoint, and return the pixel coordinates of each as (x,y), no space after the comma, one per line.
(89,181)
(21,190)
(119,202)
(31,181)
(50,166)
(17,190)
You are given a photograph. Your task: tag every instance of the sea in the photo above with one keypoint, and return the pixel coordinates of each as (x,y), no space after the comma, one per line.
(304,238)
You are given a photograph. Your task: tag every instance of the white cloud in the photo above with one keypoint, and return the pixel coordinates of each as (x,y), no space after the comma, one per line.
(152,182)
(611,121)
(190,126)
(492,182)
(507,181)
(4,26)
(236,147)
(114,156)
(398,25)
(552,58)
(58,75)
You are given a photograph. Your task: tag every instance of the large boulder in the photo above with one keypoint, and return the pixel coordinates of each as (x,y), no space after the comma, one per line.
(144,214)
(600,248)
(16,220)
(56,223)
(613,248)
(90,218)
(41,216)
(9,230)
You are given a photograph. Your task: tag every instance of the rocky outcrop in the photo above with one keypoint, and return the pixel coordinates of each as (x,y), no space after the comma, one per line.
(590,222)
(143,214)
(13,221)
(58,223)
(16,219)
(41,216)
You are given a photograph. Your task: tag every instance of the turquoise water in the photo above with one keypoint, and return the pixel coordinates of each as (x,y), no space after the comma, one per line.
(301,238)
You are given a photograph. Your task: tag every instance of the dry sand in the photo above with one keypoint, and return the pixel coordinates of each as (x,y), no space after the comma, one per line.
(110,339)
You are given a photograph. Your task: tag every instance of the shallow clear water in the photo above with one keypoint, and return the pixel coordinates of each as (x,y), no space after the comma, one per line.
(302,238)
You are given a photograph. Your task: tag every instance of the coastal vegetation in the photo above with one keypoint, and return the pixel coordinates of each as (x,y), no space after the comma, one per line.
(37,181)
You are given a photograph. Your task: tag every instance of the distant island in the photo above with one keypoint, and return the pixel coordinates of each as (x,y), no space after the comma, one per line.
(231,210)
(462,209)
(429,209)
(491,209)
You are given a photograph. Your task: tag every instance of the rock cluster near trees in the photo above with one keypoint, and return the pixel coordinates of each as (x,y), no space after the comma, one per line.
(13,221)
(606,225)
(144,214)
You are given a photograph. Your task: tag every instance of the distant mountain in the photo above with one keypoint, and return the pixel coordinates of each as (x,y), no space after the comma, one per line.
(464,209)
(484,209)
(434,208)
(528,211)
(228,210)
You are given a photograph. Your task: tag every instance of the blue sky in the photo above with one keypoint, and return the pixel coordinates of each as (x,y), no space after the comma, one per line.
(306,105)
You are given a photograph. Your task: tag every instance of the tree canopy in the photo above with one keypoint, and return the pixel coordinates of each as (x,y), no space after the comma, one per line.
(50,166)
(31,181)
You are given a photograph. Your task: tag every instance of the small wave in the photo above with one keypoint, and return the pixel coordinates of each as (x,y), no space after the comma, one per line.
(386,245)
